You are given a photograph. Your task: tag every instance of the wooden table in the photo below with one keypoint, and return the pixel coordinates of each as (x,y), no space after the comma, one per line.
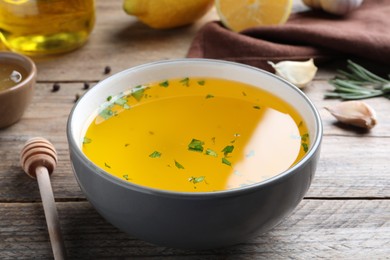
(345,214)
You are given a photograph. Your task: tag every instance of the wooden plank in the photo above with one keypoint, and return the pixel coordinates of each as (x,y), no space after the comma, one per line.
(352,167)
(330,229)
(352,164)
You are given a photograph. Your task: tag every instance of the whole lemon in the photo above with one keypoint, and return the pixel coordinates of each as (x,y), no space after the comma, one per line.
(165,14)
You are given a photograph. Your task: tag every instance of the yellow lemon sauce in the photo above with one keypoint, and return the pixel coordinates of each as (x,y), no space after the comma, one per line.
(195,135)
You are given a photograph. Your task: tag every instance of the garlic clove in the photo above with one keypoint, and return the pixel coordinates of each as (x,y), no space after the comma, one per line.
(315,4)
(299,73)
(340,7)
(356,113)
(337,7)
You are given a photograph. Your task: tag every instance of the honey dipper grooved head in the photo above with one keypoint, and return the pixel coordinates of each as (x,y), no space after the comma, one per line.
(38,152)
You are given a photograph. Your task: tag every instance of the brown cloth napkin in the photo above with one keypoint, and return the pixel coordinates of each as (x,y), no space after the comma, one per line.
(363,33)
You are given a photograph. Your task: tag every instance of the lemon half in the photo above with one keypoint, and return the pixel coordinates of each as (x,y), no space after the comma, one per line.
(238,15)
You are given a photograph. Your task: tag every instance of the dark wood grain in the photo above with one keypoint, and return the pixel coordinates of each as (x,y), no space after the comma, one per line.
(331,229)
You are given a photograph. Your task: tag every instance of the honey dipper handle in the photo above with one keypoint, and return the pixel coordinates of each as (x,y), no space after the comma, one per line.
(51,214)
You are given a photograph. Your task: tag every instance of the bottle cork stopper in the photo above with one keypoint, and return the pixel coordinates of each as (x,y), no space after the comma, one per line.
(38,152)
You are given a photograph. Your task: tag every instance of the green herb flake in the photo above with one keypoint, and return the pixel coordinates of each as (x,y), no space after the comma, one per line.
(127,145)
(305,137)
(211,152)
(126,177)
(120,101)
(87,140)
(196,180)
(201,82)
(178,165)
(244,94)
(256,107)
(126,106)
(106,113)
(185,82)
(305,147)
(109,98)
(213,139)
(138,94)
(209,96)
(228,149)
(155,154)
(108,166)
(196,145)
(164,84)
(226,161)
(300,124)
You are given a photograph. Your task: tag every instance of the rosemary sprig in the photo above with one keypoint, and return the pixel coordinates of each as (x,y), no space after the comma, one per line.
(358,83)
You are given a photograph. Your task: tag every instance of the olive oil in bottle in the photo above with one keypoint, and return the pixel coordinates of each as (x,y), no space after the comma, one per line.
(44,27)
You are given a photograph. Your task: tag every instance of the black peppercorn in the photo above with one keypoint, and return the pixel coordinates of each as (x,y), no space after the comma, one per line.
(56,87)
(107,70)
(86,86)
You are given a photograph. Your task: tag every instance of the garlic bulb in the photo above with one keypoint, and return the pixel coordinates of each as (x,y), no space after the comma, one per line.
(315,4)
(338,7)
(356,113)
(299,73)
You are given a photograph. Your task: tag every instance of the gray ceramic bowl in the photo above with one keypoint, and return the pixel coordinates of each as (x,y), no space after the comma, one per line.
(193,220)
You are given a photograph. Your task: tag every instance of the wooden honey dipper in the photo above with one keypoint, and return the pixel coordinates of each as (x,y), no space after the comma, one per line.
(38,159)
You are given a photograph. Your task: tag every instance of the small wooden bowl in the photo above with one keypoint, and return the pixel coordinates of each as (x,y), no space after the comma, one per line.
(14,100)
